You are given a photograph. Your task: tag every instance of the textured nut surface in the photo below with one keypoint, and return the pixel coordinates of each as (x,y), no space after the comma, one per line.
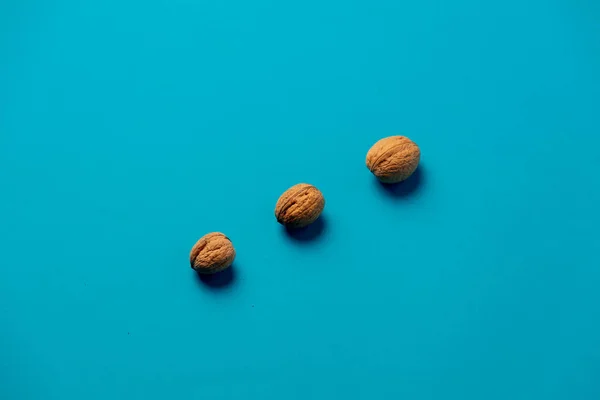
(212,253)
(299,206)
(393,159)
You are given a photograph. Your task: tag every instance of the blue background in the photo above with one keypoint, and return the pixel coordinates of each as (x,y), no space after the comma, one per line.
(128,129)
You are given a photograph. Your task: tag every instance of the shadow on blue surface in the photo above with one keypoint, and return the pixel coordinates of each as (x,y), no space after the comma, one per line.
(406,188)
(309,233)
(219,280)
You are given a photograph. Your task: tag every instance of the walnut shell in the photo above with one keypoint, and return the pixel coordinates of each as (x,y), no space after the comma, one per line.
(393,159)
(299,206)
(212,253)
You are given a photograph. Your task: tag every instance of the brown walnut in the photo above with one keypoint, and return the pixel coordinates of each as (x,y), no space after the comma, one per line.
(212,253)
(393,159)
(299,206)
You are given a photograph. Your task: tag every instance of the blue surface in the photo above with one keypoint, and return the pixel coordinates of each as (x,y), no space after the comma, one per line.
(128,129)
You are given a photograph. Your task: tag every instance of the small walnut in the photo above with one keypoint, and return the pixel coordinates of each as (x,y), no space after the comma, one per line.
(299,206)
(212,253)
(393,159)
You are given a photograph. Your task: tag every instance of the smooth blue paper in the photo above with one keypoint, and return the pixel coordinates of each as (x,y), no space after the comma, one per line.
(128,129)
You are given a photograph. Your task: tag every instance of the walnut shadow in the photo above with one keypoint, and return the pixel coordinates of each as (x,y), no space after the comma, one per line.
(406,188)
(219,280)
(309,233)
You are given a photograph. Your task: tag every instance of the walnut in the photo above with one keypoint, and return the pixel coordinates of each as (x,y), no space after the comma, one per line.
(393,159)
(212,253)
(299,206)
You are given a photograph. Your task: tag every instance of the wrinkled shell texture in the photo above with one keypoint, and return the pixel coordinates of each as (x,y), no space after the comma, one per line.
(299,206)
(212,253)
(393,159)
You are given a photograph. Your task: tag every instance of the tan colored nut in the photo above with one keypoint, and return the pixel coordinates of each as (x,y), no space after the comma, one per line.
(212,253)
(393,159)
(299,206)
